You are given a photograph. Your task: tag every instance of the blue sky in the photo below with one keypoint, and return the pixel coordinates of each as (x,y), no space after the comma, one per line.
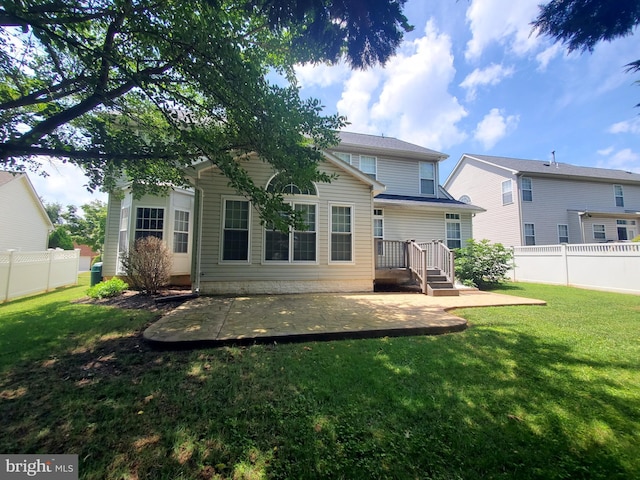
(473,78)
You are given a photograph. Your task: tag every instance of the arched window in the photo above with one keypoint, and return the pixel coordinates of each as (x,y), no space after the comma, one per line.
(281,184)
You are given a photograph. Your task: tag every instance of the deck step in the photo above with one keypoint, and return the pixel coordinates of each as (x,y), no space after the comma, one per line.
(442,292)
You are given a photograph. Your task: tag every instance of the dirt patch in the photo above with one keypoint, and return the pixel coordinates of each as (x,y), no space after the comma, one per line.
(134,300)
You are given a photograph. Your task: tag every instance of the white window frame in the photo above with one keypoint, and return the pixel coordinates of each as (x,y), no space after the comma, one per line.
(618,196)
(433,178)
(561,236)
(123,235)
(223,219)
(529,189)
(452,219)
(507,200)
(345,157)
(373,174)
(529,235)
(177,212)
(378,215)
(157,230)
(351,208)
(291,239)
(603,232)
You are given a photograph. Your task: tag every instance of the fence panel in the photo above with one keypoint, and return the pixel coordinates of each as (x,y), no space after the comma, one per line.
(612,267)
(25,273)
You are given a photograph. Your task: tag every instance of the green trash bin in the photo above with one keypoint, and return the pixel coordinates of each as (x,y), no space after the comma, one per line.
(96,273)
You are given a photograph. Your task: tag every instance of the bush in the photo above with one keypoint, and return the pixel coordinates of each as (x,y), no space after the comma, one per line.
(482,264)
(108,288)
(148,265)
(636,239)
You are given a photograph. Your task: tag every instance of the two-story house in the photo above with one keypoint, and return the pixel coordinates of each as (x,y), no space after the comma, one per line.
(532,202)
(383,188)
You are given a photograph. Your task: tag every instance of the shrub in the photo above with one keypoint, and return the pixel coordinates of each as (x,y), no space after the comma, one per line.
(147,265)
(108,288)
(636,239)
(482,264)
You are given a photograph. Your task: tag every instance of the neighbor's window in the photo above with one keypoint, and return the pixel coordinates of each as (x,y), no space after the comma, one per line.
(507,192)
(529,234)
(619,194)
(181,232)
(527,190)
(341,249)
(235,236)
(563,233)
(368,165)
(599,233)
(427,178)
(149,222)
(454,230)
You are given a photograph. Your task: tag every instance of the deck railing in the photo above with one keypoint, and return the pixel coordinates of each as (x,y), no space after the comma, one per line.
(416,257)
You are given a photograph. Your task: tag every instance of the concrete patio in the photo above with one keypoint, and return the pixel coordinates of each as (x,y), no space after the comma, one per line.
(217,321)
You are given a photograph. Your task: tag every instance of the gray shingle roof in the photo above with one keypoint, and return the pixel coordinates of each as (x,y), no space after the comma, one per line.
(559,169)
(385,143)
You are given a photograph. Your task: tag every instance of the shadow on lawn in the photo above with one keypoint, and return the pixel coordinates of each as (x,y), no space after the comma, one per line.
(483,404)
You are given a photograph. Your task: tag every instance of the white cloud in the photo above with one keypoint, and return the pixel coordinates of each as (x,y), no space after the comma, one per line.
(547,55)
(606,151)
(409,98)
(491,75)
(506,22)
(625,159)
(322,75)
(65,185)
(495,126)
(626,126)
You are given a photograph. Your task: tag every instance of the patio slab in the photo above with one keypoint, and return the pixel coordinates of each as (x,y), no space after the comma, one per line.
(217,321)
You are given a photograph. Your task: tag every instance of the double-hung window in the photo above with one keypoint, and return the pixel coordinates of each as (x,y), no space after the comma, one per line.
(149,222)
(563,233)
(619,195)
(507,192)
(527,189)
(296,245)
(181,232)
(378,229)
(599,232)
(369,165)
(341,243)
(529,234)
(427,178)
(345,157)
(454,230)
(235,232)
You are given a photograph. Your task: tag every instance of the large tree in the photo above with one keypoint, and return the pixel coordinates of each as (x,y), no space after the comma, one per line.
(581,24)
(146,87)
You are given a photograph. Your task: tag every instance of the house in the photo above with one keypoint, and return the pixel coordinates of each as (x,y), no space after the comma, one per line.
(25,226)
(532,202)
(86,257)
(385,191)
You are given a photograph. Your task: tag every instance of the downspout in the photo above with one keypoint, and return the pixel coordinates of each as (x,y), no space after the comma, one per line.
(517,198)
(198,252)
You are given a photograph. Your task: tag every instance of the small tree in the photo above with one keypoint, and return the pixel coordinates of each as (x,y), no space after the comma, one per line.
(60,238)
(147,265)
(482,264)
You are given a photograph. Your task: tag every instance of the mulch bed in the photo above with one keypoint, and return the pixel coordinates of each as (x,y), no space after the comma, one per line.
(135,300)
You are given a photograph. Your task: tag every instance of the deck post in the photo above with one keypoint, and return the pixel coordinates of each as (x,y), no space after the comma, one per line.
(423,255)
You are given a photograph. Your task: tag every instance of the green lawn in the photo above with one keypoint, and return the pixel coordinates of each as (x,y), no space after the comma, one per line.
(526,392)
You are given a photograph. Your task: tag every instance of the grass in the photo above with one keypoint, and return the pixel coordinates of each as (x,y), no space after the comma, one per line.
(526,392)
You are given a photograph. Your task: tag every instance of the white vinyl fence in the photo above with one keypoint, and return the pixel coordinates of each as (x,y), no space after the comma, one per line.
(24,273)
(613,267)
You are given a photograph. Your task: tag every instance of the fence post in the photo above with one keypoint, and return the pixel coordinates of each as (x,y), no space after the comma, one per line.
(565,262)
(6,290)
(49,269)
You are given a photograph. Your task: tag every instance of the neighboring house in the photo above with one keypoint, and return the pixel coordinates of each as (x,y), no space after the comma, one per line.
(532,202)
(25,225)
(86,256)
(384,188)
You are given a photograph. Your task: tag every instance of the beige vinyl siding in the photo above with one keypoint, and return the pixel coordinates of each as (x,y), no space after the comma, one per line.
(23,226)
(112,232)
(345,190)
(557,201)
(483,184)
(421,225)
